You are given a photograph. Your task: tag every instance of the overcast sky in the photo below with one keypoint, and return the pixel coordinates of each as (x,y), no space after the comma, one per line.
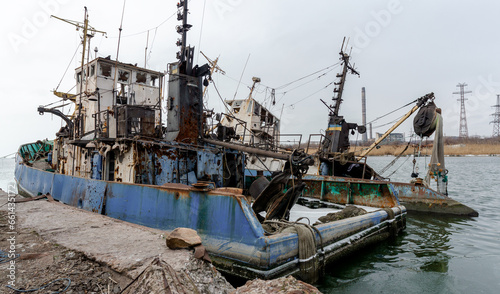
(402,49)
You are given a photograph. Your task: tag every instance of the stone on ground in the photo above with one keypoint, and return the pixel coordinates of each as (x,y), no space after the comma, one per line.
(284,285)
(182,238)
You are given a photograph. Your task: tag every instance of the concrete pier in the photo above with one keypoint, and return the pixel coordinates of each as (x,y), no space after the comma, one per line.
(99,254)
(127,249)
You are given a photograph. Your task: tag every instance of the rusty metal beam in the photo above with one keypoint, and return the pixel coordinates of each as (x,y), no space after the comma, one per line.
(250,150)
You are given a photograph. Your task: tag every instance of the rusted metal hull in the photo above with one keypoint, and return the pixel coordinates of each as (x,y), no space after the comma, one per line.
(423,199)
(414,197)
(347,191)
(223,218)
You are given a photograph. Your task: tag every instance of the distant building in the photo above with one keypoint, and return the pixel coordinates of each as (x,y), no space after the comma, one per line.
(392,138)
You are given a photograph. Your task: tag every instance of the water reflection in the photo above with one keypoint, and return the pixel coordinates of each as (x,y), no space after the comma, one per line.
(424,247)
(435,254)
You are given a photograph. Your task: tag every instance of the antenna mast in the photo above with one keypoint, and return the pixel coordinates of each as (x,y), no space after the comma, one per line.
(185,55)
(339,90)
(213,68)
(338,129)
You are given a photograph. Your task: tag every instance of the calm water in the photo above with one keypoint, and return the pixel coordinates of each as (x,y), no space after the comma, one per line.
(435,254)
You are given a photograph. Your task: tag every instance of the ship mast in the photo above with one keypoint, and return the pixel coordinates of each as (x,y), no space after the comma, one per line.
(185,90)
(213,68)
(337,133)
(339,90)
(88,32)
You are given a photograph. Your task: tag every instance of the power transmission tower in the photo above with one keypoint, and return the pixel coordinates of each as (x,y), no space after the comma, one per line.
(463,132)
(496,118)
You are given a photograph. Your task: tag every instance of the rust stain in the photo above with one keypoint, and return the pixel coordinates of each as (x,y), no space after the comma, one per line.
(188,131)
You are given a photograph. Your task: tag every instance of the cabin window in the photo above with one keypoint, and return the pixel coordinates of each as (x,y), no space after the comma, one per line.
(140,78)
(123,76)
(79,77)
(122,100)
(92,70)
(121,97)
(263,117)
(250,106)
(152,82)
(256,109)
(106,70)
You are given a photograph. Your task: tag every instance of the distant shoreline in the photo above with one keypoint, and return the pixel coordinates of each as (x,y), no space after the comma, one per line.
(449,150)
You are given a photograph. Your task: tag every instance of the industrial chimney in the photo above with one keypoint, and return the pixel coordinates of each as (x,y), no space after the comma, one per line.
(363,110)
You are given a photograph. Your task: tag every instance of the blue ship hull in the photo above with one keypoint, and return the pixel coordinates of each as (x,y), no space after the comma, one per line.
(223,218)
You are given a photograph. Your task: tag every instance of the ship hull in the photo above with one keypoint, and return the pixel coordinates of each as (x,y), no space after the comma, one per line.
(223,218)
(416,198)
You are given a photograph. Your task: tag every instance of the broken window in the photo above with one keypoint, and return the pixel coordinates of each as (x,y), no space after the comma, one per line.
(121,97)
(122,100)
(153,80)
(141,77)
(256,109)
(123,76)
(106,70)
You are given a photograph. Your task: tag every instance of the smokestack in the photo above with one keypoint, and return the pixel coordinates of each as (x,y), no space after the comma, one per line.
(363,112)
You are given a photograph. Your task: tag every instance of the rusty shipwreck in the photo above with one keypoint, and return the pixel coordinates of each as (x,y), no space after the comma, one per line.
(338,173)
(115,157)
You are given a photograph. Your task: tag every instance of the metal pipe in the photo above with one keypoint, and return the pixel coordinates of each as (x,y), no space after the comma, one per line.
(250,150)
(363,112)
(327,250)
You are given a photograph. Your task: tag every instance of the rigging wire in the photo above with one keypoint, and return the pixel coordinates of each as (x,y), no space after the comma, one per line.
(236,80)
(236,92)
(383,170)
(72,58)
(293,104)
(408,104)
(389,123)
(316,78)
(222,99)
(118,47)
(201,30)
(153,28)
(404,162)
(152,43)
(227,108)
(304,77)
